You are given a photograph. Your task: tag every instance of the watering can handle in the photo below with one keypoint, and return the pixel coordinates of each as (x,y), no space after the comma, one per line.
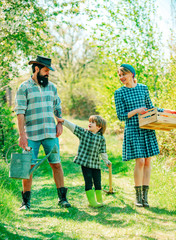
(27,149)
(8,152)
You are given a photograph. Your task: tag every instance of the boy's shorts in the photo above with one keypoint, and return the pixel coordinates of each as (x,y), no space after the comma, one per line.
(48,145)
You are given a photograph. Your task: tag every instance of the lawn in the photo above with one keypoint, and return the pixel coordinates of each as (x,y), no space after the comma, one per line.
(118,219)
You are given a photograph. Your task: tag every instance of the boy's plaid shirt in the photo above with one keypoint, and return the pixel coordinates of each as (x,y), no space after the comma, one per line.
(91,145)
(39,105)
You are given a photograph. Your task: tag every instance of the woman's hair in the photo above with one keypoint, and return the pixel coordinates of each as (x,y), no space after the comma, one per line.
(126,70)
(100,122)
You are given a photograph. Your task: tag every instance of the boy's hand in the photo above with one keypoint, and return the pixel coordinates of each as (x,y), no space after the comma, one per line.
(108,164)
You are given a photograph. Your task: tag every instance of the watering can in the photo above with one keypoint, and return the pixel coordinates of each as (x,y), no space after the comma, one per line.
(20,163)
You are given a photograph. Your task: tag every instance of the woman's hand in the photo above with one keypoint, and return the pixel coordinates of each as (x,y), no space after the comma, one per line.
(141,110)
(138,110)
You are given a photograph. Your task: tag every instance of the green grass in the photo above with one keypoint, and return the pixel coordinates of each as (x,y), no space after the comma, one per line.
(118,219)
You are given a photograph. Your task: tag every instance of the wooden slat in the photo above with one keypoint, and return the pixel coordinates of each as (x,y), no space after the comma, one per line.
(167,114)
(166,120)
(157,120)
(147,120)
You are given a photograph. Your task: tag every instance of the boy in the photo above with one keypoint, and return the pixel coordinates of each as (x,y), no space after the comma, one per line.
(92,143)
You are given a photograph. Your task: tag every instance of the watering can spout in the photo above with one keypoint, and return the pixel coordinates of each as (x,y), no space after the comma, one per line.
(54,150)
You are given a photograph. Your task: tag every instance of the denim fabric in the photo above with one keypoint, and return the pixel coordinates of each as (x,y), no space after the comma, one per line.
(48,145)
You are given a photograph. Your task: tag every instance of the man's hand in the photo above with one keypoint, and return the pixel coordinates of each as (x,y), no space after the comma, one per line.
(60,120)
(23,142)
(59,128)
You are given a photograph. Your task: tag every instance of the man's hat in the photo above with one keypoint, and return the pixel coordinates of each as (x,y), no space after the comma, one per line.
(42,61)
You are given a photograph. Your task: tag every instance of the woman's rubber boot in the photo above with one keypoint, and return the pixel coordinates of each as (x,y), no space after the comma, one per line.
(91,199)
(26,200)
(145,189)
(99,196)
(62,201)
(138,196)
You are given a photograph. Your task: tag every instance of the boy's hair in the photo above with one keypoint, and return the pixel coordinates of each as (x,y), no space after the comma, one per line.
(100,122)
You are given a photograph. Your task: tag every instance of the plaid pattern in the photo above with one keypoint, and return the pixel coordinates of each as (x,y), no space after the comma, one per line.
(138,143)
(91,145)
(39,105)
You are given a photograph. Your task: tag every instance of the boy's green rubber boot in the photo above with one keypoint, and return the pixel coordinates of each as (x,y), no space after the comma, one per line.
(99,196)
(91,198)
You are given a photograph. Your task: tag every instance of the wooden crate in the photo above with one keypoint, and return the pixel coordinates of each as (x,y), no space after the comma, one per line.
(157,120)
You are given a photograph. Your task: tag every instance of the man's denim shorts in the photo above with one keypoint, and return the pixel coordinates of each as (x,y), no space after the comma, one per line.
(48,145)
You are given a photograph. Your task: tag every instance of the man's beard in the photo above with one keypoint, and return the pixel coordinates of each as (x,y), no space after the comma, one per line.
(42,80)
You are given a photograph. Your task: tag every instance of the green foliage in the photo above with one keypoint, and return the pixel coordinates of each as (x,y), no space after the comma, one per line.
(130,30)
(24,33)
(8,191)
(119,216)
(8,133)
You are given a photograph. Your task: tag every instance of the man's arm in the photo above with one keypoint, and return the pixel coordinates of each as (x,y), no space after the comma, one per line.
(22,135)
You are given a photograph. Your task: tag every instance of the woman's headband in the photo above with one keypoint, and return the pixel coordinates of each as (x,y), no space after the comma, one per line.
(130,68)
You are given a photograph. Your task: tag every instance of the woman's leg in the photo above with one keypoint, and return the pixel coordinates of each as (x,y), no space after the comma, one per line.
(138,179)
(146,181)
(147,172)
(139,171)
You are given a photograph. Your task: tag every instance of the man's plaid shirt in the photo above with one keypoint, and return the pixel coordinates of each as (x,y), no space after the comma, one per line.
(39,105)
(91,145)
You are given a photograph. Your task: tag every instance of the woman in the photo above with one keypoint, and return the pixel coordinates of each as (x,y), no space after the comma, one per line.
(139,144)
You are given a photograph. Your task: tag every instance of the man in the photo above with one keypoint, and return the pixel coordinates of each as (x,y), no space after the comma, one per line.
(37,102)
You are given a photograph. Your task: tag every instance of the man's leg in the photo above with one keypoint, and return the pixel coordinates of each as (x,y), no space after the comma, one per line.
(27,183)
(55,163)
(58,174)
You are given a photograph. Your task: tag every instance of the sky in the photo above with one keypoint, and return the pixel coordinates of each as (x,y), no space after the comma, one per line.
(164,17)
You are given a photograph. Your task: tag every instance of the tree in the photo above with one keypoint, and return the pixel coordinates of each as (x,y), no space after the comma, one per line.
(126,33)
(75,63)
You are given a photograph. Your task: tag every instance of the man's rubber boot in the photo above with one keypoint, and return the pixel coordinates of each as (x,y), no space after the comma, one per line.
(26,200)
(138,196)
(99,196)
(145,189)
(62,201)
(91,199)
